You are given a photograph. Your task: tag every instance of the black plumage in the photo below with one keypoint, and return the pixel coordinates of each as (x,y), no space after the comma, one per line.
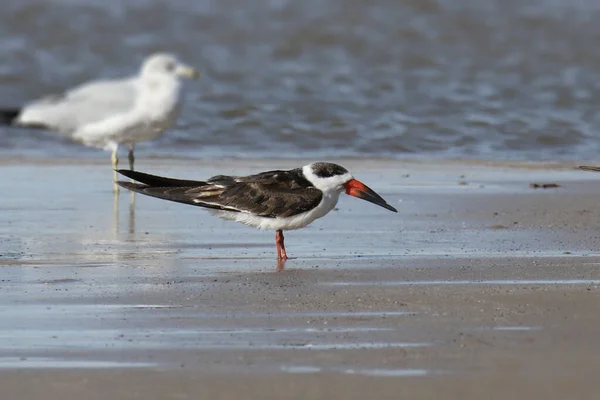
(269,194)
(327,170)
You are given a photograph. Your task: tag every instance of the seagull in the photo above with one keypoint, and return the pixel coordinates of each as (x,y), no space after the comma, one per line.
(273,200)
(107,113)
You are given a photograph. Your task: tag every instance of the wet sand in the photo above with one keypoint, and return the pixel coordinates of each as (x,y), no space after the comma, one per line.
(480,287)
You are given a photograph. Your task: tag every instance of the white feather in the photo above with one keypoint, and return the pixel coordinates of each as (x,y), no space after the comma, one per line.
(333,183)
(106,113)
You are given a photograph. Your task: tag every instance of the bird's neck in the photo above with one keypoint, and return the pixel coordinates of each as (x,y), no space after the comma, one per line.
(159,93)
(331,197)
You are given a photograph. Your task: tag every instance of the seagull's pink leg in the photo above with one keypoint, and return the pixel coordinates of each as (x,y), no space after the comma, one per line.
(279,241)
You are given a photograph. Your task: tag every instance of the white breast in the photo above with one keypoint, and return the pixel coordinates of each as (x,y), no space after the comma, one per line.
(156,108)
(327,204)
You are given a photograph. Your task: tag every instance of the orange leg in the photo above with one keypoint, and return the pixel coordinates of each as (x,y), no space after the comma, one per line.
(279,241)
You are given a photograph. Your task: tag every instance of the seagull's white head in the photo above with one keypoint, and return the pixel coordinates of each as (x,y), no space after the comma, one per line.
(334,179)
(165,64)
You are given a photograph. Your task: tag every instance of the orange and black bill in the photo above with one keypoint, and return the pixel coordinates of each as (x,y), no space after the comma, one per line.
(358,189)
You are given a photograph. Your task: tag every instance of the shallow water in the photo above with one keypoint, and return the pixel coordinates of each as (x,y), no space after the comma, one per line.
(469,288)
(449,78)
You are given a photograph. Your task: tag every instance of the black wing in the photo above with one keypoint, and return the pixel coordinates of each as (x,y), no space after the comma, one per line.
(155,180)
(269,194)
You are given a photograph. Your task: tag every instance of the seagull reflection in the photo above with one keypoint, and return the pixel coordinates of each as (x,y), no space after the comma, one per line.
(132,213)
(131,221)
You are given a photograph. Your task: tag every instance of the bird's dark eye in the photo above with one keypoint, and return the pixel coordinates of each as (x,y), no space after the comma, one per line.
(170,66)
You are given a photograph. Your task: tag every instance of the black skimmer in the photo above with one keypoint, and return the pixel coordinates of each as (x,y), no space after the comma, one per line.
(273,200)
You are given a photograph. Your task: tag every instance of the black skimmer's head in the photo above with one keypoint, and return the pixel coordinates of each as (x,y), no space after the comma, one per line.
(329,177)
(274,200)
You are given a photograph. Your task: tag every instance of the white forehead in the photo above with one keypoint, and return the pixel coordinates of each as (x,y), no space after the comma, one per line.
(335,182)
(159,61)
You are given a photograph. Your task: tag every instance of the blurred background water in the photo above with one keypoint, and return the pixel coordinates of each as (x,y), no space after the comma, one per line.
(492,79)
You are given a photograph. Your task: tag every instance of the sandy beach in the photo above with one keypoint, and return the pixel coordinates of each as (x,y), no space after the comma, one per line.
(481,287)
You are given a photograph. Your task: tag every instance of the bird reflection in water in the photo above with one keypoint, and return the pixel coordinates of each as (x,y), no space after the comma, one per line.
(131,221)
(280,265)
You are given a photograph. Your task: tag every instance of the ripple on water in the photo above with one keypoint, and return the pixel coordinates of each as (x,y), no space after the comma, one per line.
(379,372)
(43,362)
(516,328)
(373,78)
(470,282)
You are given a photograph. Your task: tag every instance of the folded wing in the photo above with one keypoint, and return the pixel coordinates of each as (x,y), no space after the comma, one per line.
(86,104)
(270,194)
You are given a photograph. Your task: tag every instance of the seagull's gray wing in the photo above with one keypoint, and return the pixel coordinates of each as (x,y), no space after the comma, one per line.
(85,104)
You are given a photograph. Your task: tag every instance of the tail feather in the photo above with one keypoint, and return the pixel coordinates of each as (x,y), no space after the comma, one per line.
(171,193)
(133,186)
(154,180)
(8,115)
(163,188)
(176,194)
(589,168)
